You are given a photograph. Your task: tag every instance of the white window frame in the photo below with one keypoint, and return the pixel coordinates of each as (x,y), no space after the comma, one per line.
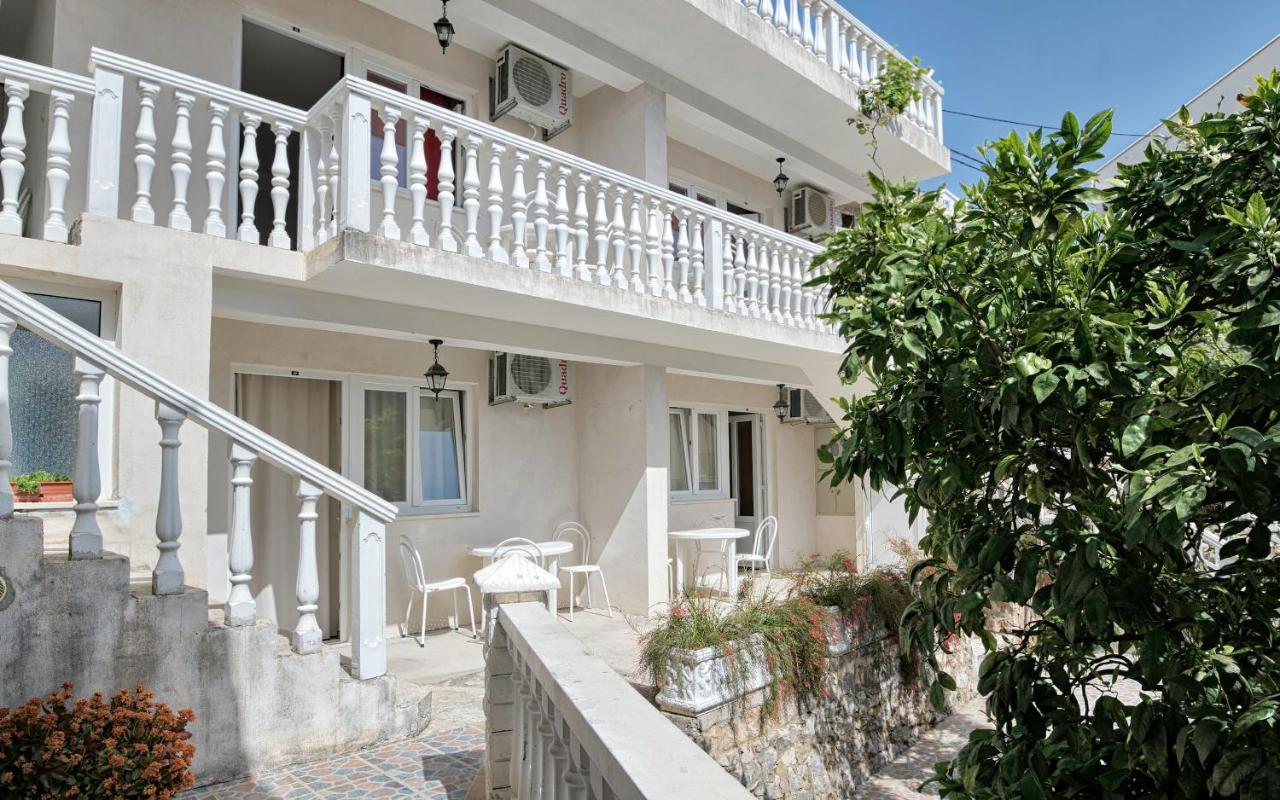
(414,504)
(108,305)
(693,446)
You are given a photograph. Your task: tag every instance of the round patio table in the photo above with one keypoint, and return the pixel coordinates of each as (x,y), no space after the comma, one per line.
(729,536)
(551,552)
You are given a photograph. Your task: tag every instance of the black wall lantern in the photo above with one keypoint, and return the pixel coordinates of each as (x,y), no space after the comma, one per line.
(436,374)
(444,28)
(780,182)
(783,405)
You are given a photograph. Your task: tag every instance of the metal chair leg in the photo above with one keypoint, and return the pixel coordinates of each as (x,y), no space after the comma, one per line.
(471,612)
(422,641)
(573,599)
(608,606)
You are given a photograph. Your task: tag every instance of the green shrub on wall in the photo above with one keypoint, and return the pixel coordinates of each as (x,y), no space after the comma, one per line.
(1084,402)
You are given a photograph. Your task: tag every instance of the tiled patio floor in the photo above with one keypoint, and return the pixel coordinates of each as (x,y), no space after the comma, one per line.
(440,764)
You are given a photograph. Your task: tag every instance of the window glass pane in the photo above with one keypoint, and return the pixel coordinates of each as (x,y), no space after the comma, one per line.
(438,448)
(708,456)
(42,392)
(679,470)
(386,425)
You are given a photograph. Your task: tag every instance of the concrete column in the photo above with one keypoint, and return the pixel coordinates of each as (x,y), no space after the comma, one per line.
(626,131)
(623,489)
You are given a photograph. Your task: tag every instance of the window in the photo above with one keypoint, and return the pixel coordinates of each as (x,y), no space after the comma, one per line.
(431,142)
(699,444)
(43,388)
(414,451)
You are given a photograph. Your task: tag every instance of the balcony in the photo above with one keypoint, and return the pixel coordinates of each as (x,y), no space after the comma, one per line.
(516,229)
(772,76)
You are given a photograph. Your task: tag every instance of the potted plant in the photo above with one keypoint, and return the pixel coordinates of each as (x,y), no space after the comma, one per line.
(42,487)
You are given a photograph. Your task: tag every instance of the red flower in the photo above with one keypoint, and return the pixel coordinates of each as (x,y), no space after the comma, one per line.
(680,612)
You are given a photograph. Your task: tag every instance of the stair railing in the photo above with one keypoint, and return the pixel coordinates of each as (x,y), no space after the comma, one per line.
(95,358)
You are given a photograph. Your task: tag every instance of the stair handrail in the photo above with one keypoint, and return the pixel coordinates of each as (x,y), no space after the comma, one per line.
(60,331)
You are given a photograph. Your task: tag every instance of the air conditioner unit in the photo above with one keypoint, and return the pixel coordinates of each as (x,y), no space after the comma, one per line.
(529,380)
(812,212)
(803,407)
(531,88)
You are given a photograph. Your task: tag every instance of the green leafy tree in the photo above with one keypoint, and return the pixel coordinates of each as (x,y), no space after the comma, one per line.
(1085,403)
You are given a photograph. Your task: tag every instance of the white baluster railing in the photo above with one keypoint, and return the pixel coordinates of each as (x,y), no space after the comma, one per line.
(21,79)
(95,358)
(831,34)
(562,724)
(200,111)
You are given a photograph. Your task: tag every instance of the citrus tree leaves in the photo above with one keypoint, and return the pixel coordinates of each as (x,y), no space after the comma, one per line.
(1086,407)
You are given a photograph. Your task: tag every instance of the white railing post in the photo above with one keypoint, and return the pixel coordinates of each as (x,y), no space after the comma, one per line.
(308,183)
(728,294)
(58,167)
(786,283)
(368,592)
(581,228)
(353,187)
(519,212)
(106,122)
(937,115)
(335,173)
(563,264)
(444,237)
(167,577)
(643,242)
(215,167)
(241,608)
(418,180)
(471,197)
(7,327)
(682,257)
(540,259)
(13,144)
(324,134)
(388,171)
(144,152)
(248,232)
(306,635)
(494,190)
(280,186)
(180,169)
(618,238)
(775,282)
(740,302)
(713,277)
(85,540)
(601,223)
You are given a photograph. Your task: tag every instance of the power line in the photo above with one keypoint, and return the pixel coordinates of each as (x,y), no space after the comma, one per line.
(965,159)
(1032,124)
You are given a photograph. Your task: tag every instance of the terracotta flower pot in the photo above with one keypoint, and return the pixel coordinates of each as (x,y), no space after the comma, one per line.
(56,492)
(23,497)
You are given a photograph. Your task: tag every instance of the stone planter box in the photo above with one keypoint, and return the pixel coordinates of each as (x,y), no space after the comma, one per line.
(699,680)
(844,633)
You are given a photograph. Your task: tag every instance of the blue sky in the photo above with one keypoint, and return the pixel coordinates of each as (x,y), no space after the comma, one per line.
(1032,60)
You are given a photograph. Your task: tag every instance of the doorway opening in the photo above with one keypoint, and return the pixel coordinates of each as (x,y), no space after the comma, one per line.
(306,414)
(747,484)
(294,72)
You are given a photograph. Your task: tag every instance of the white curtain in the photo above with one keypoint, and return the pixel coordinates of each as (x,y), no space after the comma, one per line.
(303,414)
(438,449)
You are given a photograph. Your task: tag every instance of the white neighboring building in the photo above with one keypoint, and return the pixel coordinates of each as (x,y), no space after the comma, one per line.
(1219,96)
(275,205)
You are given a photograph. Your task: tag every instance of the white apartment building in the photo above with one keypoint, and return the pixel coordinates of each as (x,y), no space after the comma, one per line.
(251,217)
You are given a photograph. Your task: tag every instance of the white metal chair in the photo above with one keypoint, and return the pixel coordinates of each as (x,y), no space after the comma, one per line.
(518,544)
(570,531)
(761,555)
(417,582)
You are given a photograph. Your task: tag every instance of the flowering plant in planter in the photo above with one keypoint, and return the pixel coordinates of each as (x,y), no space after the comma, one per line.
(50,487)
(128,746)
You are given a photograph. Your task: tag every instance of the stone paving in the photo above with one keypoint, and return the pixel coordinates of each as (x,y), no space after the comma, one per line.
(439,764)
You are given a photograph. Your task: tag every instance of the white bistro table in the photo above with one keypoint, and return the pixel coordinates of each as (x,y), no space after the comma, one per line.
(729,536)
(551,552)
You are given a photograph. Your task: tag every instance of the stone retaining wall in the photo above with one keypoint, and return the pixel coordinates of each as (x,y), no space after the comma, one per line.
(869,714)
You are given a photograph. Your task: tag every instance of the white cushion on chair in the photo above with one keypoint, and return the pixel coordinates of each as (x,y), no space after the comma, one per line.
(753,557)
(579,568)
(450,583)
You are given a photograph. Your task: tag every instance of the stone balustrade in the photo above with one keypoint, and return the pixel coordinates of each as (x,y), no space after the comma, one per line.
(362,164)
(562,724)
(828,32)
(95,358)
(20,80)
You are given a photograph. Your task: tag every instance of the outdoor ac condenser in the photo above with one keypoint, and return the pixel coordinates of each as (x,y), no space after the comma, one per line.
(812,212)
(529,380)
(533,89)
(804,408)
